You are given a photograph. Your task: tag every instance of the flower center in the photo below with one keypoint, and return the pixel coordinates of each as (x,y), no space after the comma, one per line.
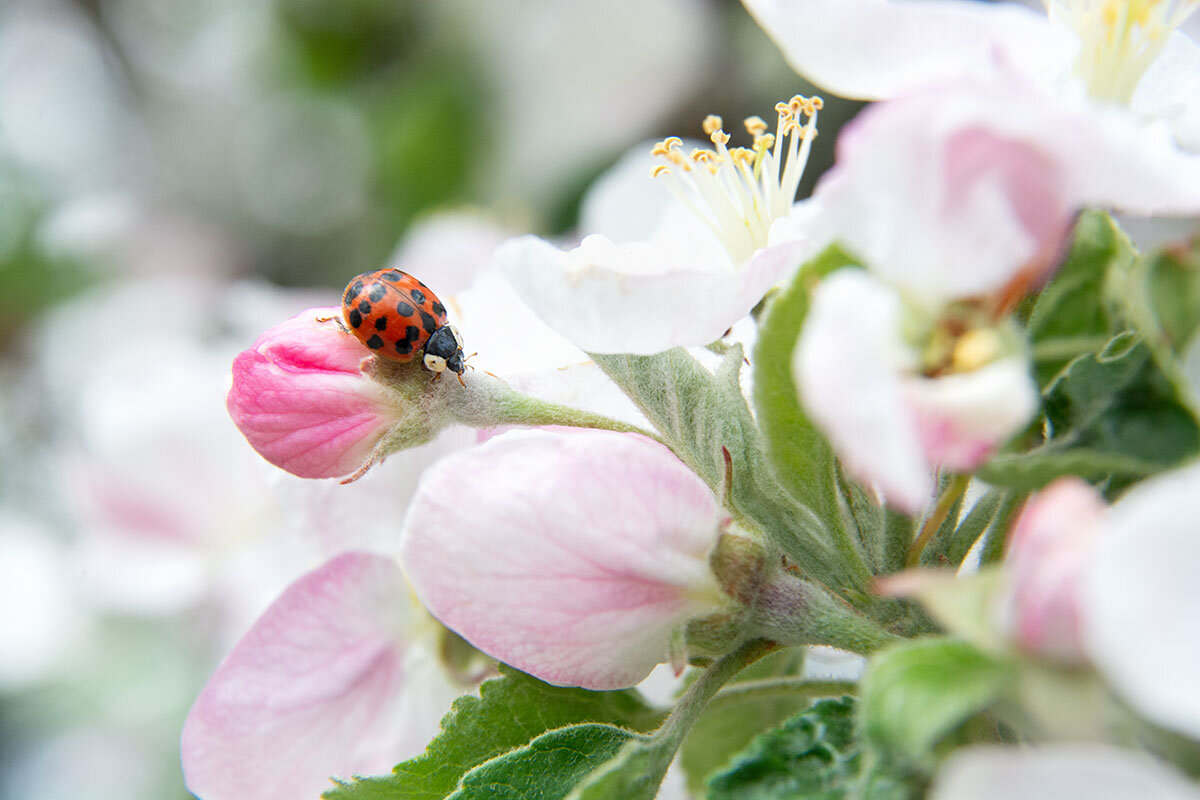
(1119,39)
(738,192)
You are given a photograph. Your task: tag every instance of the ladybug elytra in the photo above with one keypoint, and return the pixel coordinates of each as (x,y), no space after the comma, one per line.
(398,318)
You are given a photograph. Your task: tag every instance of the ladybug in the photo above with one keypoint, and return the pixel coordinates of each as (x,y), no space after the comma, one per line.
(398,317)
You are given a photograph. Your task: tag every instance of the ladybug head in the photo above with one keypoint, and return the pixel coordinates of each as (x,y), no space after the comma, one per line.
(444,351)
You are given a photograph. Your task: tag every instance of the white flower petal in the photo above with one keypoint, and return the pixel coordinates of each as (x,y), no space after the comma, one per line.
(1142,600)
(875,49)
(1095,772)
(1170,89)
(639,298)
(849,366)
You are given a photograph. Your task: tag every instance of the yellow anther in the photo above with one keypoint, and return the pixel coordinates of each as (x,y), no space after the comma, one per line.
(659,169)
(700,154)
(974,349)
(764,141)
(719,137)
(783,110)
(755,125)
(712,123)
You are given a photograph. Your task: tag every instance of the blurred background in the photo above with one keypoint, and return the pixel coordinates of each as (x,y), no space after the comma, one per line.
(177,176)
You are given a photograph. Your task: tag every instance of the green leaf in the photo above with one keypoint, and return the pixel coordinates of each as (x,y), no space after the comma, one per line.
(1110,415)
(917,692)
(814,755)
(1073,315)
(548,767)
(1172,287)
(510,712)
(800,454)
(953,541)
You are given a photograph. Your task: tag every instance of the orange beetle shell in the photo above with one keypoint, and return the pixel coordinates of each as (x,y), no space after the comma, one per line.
(392,313)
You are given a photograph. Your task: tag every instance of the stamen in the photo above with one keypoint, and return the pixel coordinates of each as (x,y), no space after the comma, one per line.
(1119,39)
(743,190)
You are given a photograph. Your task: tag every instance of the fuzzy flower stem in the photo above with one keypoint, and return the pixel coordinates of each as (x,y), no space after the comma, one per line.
(696,698)
(792,611)
(954,491)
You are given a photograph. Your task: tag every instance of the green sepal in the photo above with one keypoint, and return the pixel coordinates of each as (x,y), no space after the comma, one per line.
(916,693)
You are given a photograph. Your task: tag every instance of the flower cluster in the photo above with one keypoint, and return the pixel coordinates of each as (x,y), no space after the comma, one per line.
(880,376)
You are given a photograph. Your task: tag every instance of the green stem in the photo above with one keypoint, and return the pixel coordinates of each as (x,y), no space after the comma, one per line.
(695,699)
(490,402)
(791,686)
(953,493)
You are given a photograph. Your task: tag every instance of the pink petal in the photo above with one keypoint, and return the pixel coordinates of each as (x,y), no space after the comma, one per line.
(572,556)
(962,417)
(307,691)
(1051,545)
(301,399)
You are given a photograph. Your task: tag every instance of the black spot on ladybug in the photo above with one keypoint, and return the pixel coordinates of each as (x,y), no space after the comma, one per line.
(355,318)
(393,276)
(404,309)
(353,291)
(438,308)
(381,323)
(364,307)
(427,322)
(377,292)
(374,342)
(418,296)
(404,346)
(412,333)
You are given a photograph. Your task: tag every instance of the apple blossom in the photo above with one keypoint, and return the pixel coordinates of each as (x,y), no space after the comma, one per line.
(1141,600)
(323,684)
(575,556)
(862,382)
(714,254)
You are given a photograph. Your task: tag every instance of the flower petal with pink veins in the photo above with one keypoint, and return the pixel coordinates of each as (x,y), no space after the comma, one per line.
(573,556)
(308,691)
(1142,600)
(849,366)
(302,400)
(641,298)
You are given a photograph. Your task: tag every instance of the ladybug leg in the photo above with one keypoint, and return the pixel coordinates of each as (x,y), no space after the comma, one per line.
(338,320)
(437,376)
(461,382)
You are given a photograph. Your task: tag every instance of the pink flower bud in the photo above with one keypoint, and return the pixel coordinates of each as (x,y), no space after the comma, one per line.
(574,556)
(1052,545)
(302,400)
